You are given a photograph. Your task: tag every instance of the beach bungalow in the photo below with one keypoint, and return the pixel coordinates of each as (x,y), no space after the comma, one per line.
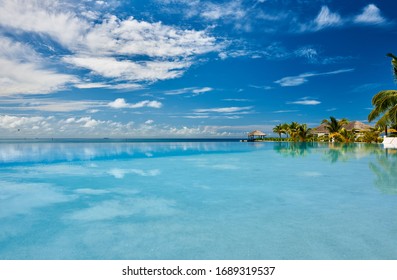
(358,128)
(320,130)
(256,135)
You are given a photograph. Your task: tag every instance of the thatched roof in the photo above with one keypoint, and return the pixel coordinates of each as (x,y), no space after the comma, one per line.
(356,125)
(351,126)
(320,129)
(256,133)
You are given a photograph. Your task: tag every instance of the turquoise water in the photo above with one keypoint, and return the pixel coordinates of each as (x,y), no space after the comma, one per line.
(197,200)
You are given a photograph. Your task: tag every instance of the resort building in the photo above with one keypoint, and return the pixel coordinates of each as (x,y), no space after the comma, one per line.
(320,130)
(358,128)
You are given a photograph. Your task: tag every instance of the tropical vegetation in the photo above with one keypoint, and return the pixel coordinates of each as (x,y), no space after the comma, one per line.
(336,132)
(385,104)
(294,131)
(385,111)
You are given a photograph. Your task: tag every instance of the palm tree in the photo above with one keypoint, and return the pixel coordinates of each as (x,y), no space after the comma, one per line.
(285,126)
(293,130)
(334,126)
(347,136)
(371,136)
(303,132)
(279,129)
(385,103)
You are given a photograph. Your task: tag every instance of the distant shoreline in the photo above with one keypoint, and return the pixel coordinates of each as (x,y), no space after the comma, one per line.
(114,140)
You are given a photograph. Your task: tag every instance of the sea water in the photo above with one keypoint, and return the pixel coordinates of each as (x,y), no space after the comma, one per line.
(197,200)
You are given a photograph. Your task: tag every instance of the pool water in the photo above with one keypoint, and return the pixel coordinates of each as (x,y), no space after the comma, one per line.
(197,200)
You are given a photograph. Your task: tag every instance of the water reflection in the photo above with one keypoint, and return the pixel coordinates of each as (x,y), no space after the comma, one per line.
(293,149)
(385,170)
(382,162)
(56,152)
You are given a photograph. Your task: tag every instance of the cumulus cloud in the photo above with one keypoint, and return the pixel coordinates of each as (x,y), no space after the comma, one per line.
(12,122)
(292,81)
(133,37)
(123,53)
(37,126)
(120,103)
(370,15)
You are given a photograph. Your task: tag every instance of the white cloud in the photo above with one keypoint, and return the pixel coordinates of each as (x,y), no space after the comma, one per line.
(88,85)
(133,37)
(60,106)
(285,111)
(305,101)
(309,53)
(370,15)
(13,122)
(194,90)
(237,100)
(326,18)
(110,67)
(224,110)
(96,43)
(147,103)
(120,103)
(44,17)
(89,127)
(231,9)
(23,71)
(292,81)
(202,90)
(197,117)
(28,78)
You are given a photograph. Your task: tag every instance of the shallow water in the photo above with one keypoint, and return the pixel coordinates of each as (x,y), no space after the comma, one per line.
(197,200)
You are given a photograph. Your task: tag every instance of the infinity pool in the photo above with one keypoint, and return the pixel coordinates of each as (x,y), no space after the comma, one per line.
(197,200)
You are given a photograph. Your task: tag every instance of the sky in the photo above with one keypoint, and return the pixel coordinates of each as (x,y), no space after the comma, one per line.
(189,68)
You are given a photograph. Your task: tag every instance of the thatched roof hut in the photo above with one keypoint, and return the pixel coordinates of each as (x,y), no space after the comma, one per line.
(320,130)
(357,126)
(256,134)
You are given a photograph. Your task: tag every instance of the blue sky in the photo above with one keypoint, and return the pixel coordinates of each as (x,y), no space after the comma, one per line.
(189,68)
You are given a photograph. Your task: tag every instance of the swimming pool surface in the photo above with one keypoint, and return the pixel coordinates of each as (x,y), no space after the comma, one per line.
(197,200)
